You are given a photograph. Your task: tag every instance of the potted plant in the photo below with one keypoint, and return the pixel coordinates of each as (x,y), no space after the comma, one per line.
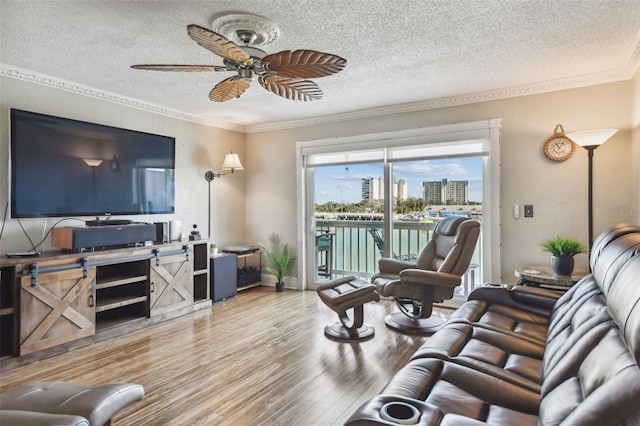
(562,250)
(214,249)
(279,258)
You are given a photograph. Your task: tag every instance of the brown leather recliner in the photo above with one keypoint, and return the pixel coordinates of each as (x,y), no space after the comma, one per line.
(415,286)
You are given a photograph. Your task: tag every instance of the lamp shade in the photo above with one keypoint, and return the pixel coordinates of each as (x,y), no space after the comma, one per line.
(591,137)
(92,162)
(231,163)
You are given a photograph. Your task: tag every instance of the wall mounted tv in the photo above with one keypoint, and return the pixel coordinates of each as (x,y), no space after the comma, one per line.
(62,167)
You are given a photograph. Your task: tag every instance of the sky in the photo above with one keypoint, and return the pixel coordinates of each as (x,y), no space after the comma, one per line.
(343,184)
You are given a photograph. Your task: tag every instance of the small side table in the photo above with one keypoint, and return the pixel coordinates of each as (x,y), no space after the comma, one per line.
(543,276)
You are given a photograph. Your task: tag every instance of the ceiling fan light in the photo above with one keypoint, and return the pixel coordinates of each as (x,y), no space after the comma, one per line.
(246,36)
(246,74)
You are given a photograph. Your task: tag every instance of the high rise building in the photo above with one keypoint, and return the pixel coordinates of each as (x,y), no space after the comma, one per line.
(400,190)
(370,189)
(373,189)
(446,191)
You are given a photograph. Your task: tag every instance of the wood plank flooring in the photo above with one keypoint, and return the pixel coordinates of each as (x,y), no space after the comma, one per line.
(260,358)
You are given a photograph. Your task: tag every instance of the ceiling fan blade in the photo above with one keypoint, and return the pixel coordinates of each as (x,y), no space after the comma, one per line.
(303,63)
(228,88)
(187,68)
(218,44)
(291,88)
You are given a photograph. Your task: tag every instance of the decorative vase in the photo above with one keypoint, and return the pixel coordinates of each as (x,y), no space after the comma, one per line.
(562,265)
(280,286)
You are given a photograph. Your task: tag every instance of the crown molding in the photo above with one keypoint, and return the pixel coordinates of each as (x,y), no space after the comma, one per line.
(58,83)
(624,73)
(545,87)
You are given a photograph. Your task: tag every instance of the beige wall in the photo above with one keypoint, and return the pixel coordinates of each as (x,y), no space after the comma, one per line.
(198,148)
(635,126)
(558,191)
(249,205)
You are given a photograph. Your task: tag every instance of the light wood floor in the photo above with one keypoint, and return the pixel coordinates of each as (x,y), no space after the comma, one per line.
(260,358)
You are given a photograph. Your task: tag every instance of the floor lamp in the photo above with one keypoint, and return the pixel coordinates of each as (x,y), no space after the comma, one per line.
(230,164)
(590,140)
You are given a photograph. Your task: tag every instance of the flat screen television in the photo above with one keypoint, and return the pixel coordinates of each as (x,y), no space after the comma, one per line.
(62,167)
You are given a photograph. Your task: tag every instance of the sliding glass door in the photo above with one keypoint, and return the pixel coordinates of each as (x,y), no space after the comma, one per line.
(366,199)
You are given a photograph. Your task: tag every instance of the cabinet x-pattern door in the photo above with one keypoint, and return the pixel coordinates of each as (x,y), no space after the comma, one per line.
(171,283)
(56,308)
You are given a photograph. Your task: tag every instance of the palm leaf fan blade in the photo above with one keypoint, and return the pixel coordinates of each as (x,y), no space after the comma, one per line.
(217,44)
(185,68)
(303,64)
(290,88)
(227,89)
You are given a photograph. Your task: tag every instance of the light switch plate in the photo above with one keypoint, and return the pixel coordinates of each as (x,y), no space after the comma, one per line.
(516,211)
(528,210)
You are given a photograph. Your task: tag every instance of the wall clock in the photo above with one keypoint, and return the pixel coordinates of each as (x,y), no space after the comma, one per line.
(559,147)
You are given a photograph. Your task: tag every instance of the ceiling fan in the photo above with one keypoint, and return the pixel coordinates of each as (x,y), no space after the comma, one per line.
(284,73)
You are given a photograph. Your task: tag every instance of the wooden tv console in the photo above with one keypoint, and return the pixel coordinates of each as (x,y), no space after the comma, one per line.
(61,300)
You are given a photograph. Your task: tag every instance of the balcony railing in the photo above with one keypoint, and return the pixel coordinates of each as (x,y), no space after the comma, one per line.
(353,247)
(356,245)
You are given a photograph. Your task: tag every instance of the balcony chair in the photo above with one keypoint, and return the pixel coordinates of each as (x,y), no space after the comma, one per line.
(324,250)
(433,276)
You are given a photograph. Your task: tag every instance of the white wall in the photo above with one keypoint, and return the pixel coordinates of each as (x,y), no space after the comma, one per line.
(558,191)
(198,148)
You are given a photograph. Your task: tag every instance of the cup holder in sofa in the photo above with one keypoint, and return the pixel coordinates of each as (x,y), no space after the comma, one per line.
(400,413)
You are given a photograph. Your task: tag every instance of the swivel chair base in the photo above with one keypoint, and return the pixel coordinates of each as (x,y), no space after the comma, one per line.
(337,331)
(402,323)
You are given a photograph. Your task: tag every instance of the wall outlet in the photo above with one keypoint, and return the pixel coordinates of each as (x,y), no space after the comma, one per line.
(528,210)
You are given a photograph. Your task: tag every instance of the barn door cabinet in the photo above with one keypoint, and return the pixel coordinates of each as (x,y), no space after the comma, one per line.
(57,304)
(60,301)
(171,284)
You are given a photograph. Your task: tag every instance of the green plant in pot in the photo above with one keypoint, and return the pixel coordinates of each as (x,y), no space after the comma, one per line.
(562,250)
(279,258)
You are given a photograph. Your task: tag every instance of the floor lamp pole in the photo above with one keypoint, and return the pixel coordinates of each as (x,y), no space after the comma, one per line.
(590,149)
(209,214)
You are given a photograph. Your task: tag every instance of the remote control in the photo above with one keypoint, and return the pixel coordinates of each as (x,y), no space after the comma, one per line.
(24,254)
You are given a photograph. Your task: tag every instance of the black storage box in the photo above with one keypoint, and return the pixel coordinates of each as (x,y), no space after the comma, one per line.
(248,275)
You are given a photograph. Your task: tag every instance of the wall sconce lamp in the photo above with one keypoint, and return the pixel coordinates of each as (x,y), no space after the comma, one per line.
(230,164)
(590,140)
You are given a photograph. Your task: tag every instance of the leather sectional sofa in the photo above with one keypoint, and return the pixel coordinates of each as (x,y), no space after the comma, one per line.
(528,356)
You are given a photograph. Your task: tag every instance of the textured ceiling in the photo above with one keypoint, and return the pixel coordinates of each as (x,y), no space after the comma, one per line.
(401,54)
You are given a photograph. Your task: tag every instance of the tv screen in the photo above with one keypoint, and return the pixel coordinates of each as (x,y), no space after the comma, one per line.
(62,167)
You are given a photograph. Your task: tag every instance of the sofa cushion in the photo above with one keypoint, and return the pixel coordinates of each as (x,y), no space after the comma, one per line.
(501,354)
(460,390)
(597,383)
(522,324)
(613,258)
(623,302)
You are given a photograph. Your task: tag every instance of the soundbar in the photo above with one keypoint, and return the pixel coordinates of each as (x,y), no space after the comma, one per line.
(72,238)
(108,222)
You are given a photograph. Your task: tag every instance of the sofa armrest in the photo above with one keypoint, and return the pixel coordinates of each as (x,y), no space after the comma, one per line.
(530,300)
(394,266)
(427,277)
(536,296)
(33,418)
